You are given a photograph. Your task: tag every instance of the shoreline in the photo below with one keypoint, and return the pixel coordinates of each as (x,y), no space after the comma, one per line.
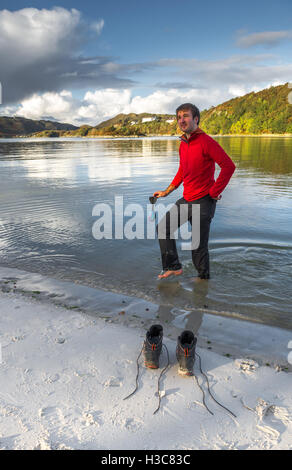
(222,333)
(142,137)
(65,373)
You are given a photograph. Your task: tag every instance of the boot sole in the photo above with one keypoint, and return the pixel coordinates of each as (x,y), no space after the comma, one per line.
(151,366)
(185,372)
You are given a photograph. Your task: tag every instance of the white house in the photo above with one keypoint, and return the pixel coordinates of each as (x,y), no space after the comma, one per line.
(148,119)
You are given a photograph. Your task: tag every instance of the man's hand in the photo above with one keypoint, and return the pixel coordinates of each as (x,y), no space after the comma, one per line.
(217,198)
(160,194)
(165,193)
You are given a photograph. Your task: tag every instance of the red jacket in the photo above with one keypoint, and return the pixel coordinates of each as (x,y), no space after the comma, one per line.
(198,155)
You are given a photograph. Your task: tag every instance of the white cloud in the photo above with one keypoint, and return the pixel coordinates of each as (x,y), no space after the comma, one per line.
(100,105)
(92,109)
(8,110)
(98,26)
(167,101)
(58,106)
(103,104)
(235,90)
(38,33)
(266,38)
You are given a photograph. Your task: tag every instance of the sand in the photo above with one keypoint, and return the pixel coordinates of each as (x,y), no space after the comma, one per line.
(64,376)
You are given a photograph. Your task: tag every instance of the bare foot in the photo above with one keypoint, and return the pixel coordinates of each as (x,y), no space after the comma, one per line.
(168,273)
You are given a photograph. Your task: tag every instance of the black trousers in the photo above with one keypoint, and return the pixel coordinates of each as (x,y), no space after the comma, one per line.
(200,255)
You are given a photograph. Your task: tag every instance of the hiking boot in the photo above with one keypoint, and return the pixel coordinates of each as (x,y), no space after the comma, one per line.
(152,346)
(185,352)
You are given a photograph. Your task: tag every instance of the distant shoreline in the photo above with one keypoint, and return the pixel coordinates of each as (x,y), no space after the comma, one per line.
(139,136)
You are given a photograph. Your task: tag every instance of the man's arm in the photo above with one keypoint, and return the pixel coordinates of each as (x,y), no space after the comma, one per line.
(216,152)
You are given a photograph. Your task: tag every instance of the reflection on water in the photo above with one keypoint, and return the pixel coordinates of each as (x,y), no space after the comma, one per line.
(267,155)
(49,188)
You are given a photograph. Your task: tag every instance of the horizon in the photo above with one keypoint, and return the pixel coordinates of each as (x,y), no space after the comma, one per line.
(84,64)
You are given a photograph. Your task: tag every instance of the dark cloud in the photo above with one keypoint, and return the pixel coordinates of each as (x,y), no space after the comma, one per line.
(65,72)
(44,53)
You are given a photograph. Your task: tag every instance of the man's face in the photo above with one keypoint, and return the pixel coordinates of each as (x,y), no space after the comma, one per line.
(186,122)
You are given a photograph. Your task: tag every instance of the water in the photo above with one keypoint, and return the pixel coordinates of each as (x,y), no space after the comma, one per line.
(49,188)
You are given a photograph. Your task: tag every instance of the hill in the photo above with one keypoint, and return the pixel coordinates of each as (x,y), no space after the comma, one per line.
(265,112)
(19,126)
(132,124)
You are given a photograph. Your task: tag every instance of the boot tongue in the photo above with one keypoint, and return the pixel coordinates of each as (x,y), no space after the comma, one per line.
(155,330)
(187,338)
(154,337)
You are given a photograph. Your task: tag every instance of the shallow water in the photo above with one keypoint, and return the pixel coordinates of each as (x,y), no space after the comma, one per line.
(49,188)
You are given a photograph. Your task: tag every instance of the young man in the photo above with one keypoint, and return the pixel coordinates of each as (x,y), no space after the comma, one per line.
(198,154)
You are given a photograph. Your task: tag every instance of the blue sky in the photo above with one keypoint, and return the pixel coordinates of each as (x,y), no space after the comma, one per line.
(83,62)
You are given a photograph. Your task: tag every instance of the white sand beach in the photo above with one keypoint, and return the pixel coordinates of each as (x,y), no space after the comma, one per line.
(64,375)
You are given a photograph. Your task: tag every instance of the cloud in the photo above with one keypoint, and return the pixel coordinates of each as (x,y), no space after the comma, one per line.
(243,71)
(41,54)
(41,50)
(28,35)
(267,38)
(100,105)
(98,26)
(177,85)
(50,105)
(42,64)
(103,104)
(93,108)
(167,101)
(242,90)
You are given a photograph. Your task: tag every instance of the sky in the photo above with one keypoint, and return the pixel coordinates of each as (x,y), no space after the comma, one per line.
(85,62)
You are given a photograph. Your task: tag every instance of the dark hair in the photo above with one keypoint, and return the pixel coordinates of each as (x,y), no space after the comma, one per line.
(190,107)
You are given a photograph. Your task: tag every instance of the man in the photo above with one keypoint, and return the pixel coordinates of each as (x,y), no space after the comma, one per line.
(198,154)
